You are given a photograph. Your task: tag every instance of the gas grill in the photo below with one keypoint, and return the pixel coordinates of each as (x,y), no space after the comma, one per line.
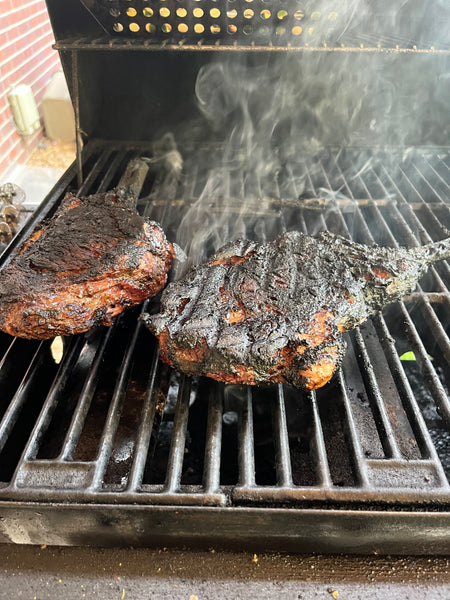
(103,444)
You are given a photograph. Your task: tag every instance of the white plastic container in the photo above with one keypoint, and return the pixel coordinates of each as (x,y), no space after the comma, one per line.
(24,109)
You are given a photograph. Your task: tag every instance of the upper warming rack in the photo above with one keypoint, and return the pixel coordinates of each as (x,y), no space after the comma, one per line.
(314,25)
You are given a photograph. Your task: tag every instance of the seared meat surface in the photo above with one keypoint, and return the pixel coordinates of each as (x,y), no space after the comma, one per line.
(94,258)
(275,312)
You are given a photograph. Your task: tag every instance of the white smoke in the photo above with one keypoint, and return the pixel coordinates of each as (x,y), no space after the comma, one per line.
(268,113)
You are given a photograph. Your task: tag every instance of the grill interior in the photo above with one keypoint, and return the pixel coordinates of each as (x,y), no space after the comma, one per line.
(104,444)
(110,423)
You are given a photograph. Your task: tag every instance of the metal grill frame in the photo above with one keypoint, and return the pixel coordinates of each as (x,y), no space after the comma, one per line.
(363,517)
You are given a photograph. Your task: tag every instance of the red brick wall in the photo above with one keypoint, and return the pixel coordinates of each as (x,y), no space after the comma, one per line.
(26,56)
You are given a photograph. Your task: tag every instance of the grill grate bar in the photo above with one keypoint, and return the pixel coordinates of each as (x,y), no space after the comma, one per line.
(411,332)
(335,161)
(424,235)
(211,470)
(309,179)
(383,423)
(359,463)
(438,176)
(384,426)
(414,188)
(415,417)
(444,166)
(440,333)
(318,443)
(110,171)
(246,452)
(408,234)
(114,412)
(353,44)
(426,181)
(94,172)
(363,228)
(426,366)
(417,421)
(16,405)
(145,428)
(282,452)
(74,432)
(178,440)
(435,179)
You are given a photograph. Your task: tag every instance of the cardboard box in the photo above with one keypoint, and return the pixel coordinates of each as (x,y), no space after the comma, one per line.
(57,110)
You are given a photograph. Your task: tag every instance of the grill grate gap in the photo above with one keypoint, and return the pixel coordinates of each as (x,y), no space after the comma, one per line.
(19,420)
(125,439)
(301,432)
(398,420)
(194,453)
(334,431)
(156,467)
(88,443)
(264,444)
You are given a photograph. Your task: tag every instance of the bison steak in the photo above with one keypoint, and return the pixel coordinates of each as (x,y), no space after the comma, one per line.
(94,258)
(275,312)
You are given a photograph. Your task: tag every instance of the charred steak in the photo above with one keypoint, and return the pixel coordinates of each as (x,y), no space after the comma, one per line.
(275,312)
(94,258)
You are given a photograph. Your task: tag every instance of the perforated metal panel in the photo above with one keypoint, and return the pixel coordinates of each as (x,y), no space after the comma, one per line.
(262,21)
(276,23)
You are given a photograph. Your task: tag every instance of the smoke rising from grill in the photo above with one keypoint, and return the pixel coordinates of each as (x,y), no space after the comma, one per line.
(268,112)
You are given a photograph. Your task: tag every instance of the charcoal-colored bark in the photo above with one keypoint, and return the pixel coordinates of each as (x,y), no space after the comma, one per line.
(93,259)
(275,312)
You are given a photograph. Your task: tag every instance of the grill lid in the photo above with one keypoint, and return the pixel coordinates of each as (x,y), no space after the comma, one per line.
(131,86)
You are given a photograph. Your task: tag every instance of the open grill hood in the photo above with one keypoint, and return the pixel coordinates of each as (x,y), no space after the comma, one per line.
(109,446)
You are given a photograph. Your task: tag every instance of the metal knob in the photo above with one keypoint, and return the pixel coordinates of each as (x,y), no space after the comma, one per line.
(10,214)
(6,234)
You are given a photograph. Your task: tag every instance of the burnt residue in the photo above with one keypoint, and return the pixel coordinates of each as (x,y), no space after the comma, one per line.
(264,313)
(95,257)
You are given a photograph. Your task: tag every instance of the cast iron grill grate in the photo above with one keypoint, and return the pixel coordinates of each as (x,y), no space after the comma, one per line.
(110,423)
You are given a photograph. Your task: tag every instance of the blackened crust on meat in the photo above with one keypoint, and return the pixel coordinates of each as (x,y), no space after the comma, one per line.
(275,312)
(95,257)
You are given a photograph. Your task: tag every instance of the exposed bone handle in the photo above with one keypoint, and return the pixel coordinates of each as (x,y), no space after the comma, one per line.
(434,251)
